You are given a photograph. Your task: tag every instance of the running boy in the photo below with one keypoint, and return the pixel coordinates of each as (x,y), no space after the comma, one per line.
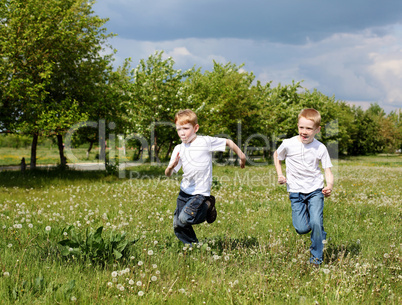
(305,182)
(195,203)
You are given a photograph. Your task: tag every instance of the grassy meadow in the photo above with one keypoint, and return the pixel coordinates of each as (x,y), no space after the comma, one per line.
(74,237)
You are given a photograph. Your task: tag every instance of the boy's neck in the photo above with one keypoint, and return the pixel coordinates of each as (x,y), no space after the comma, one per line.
(192,139)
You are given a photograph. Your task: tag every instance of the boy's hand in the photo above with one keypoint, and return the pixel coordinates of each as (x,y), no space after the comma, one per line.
(243,161)
(327,191)
(281,179)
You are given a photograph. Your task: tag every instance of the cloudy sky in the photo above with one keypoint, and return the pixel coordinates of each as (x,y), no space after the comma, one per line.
(350,49)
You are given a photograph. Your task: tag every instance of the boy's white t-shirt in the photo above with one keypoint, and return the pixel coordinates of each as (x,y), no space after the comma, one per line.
(196,161)
(303,174)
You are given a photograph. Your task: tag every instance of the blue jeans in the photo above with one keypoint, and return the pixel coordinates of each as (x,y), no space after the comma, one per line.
(307,215)
(190,210)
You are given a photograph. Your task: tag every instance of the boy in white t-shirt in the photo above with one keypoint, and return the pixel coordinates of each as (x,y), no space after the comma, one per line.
(305,182)
(195,203)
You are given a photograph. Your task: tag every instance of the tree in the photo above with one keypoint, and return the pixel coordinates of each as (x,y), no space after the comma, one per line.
(225,101)
(53,74)
(156,95)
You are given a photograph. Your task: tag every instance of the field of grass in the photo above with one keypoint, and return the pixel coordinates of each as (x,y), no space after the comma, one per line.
(53,252)
(49,155)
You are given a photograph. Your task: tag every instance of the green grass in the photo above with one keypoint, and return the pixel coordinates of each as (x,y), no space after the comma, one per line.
(49,155)
(250,255)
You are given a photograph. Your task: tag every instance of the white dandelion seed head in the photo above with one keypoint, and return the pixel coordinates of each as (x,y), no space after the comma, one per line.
(154,278)
(140,263)
(139,283)
(114,274)
(150,252)
(48,228)
(140,293)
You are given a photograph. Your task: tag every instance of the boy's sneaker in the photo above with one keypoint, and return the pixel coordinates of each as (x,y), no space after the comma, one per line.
(211,213)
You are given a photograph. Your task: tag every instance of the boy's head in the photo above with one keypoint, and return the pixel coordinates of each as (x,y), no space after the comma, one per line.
(308,125)
(186,116)
(186,125)
(312,115)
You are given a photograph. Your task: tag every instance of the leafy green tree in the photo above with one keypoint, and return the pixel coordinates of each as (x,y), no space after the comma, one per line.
(53,73)
(156,94)
(225,101)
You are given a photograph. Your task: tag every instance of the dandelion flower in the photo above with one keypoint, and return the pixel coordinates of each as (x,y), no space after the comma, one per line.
(30,226)
(326,271)
(140,293)
(110,284)
(140,263)
(48,228)
(154,278)
(131,282)
(386,255)
(73,299)
(154,266)
(114,274)
(150,252)
(139,283)
(6,274)
(9,245)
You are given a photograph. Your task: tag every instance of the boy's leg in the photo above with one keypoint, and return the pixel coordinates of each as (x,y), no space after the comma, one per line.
(211,212)
(190,210)
(300,215)
(318,235)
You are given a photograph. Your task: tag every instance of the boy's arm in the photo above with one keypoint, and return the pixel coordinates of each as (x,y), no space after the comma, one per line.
(329,178)
(238,152)
(170,168)
(278,167)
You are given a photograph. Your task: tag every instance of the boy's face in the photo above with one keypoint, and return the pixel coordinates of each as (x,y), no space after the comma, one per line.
(307,130)
(187,132)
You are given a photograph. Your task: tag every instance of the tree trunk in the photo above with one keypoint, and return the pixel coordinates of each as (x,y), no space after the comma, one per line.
(33,151)
(63,161)
(169,150)
(90,148)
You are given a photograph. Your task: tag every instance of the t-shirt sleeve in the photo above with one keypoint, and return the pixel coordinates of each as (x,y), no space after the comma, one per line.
(173,157)
(281,151)
(325,159)
(216,144)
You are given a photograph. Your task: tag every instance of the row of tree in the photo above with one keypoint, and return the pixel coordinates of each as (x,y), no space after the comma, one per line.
(57,70)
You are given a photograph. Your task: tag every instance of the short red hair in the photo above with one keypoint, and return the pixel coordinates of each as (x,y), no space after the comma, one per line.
(312,115)
(186,116)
